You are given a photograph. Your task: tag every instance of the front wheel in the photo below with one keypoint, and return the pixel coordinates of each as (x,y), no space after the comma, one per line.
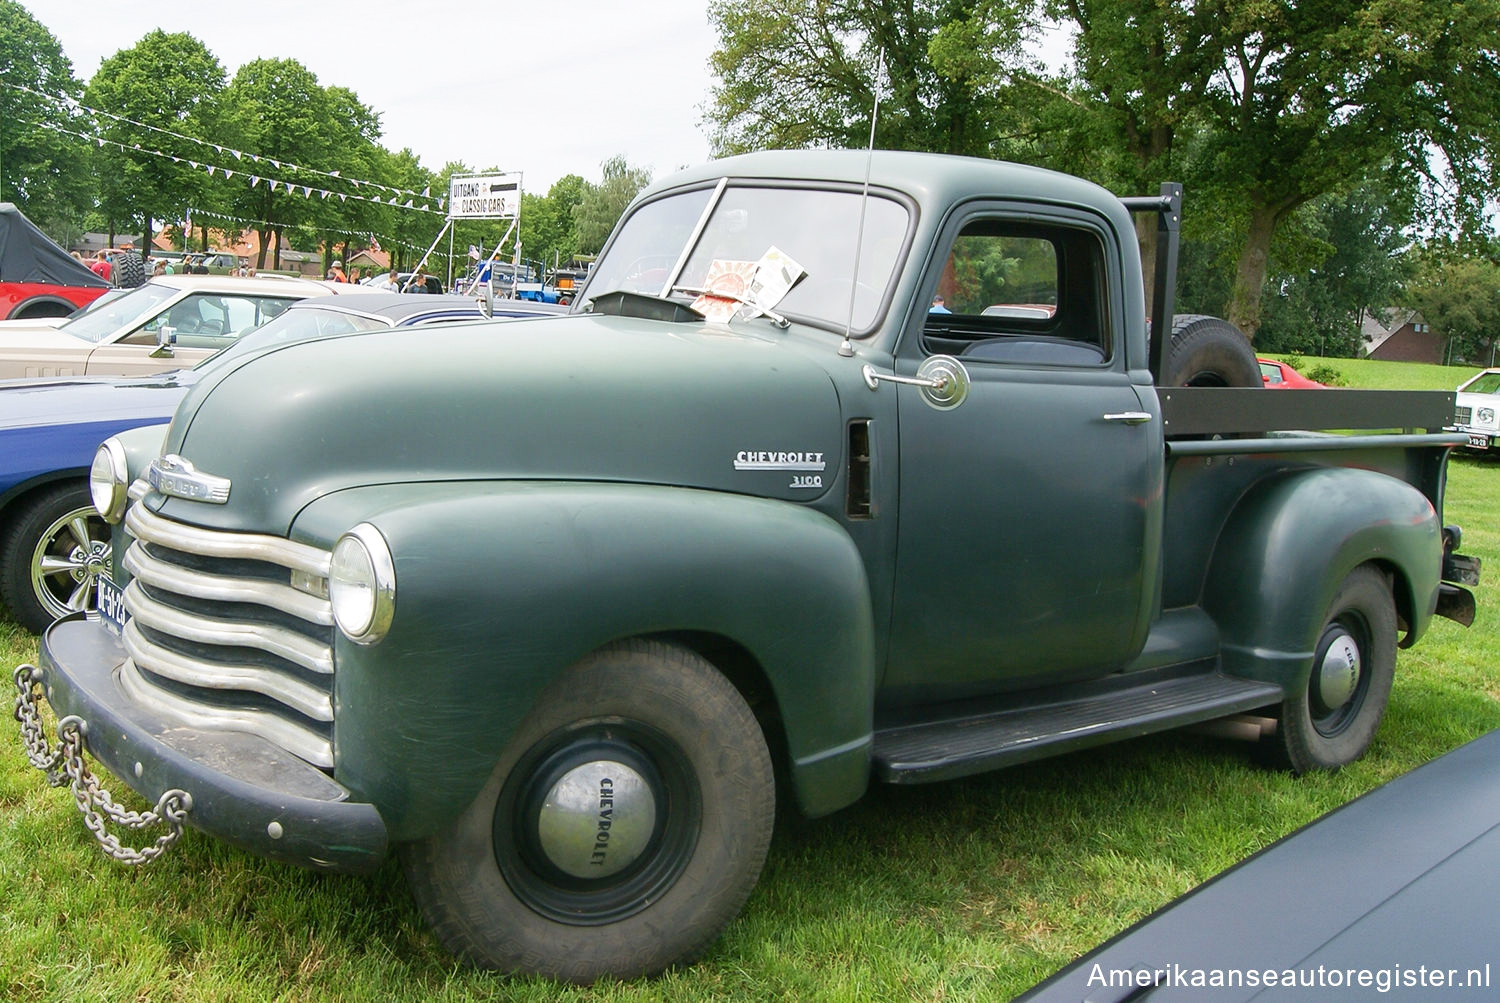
(52,556)
(1331,721)
(622,829)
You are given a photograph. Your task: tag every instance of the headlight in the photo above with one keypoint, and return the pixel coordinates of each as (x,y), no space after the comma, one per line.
(362,584)
(1486,416)
(109,480)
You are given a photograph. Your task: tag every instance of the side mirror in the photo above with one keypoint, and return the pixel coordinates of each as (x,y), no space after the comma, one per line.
(166,337)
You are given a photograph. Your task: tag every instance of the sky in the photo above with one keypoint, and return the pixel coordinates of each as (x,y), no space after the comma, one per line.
(544,89)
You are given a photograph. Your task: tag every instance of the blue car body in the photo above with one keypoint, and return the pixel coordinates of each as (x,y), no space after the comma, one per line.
(51,428)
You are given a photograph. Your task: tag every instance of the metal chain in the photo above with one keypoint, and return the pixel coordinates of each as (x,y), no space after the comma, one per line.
(65,765)
(33,733)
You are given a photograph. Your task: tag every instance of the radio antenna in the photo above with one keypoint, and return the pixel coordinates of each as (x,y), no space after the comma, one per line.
(846,347)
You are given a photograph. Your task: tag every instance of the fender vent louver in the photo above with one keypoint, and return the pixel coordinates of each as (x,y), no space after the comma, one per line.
(859,503)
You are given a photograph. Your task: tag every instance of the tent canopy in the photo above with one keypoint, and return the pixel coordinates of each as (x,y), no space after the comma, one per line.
(29,255)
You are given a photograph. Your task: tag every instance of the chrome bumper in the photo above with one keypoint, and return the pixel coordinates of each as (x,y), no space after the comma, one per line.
(244,789)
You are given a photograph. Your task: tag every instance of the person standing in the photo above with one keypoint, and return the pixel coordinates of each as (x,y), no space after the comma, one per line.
(336,273)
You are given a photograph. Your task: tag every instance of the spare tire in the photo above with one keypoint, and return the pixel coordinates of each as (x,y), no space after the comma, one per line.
(1209,352)
(130,270)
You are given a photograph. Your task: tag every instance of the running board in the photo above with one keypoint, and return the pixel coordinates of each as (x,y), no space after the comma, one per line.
(957,747)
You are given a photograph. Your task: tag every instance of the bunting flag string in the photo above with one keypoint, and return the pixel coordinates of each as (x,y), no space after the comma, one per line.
(239,155)
(375,241)
(272,184)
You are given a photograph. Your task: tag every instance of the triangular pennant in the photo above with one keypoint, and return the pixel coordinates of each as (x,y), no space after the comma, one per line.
(307,191)
(254,181)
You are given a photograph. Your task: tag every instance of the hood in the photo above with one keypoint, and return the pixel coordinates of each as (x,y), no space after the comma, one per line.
(35,349)
(87,399)
(582,397)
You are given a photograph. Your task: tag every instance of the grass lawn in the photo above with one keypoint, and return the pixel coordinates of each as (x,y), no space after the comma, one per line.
(970,890)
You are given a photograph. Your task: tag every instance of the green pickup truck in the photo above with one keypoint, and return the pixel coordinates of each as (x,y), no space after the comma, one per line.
(843,469)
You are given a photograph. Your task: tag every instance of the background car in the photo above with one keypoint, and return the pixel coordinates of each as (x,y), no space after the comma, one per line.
(1399,884)
(1477,404)
(38,279)
(196,314)
(1280,376)
(53,544)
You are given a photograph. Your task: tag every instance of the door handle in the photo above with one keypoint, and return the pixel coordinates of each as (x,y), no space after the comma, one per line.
(1130,417)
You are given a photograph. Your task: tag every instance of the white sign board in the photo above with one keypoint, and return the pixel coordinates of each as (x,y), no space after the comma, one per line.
(484,196)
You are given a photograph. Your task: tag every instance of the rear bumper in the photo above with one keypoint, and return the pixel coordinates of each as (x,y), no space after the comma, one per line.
(245,790)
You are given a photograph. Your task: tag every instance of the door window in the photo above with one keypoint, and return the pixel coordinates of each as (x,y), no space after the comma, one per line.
(1020,293)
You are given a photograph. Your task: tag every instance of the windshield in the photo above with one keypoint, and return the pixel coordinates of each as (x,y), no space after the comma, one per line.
(804,236)
(1484,383)
(119,313)
(304,324)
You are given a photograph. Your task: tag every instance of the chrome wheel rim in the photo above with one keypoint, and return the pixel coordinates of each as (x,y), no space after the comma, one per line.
(69,556)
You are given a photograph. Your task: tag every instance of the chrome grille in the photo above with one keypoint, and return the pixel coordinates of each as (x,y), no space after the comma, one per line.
(1464,415)
(219,638)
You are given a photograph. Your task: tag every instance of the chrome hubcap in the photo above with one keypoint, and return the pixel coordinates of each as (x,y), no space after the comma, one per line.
(597,819)
(1338,673)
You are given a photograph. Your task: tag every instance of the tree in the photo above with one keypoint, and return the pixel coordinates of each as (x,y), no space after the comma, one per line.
(549,232)
(600,206)
(1459,295)
(163,88)
(353,143)
(42,169)
(1293,101)
(1335,262)
(274,108)
(801,73)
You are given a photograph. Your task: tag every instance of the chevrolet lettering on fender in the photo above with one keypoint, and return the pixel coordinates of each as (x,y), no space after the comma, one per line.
(778,461)
(536,637)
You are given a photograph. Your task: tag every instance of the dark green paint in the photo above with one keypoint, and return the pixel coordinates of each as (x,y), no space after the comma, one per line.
(552,486)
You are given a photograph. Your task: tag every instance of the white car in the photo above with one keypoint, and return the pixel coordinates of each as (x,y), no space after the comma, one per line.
(167,323)
(1477,403)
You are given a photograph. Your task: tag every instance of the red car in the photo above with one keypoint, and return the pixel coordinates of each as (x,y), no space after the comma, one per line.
(1280,376)
(37,278)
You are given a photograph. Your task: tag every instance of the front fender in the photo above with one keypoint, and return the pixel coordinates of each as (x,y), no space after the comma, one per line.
(1291,541)
(499,586)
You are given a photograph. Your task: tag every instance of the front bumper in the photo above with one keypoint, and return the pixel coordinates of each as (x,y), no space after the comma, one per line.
(245,790)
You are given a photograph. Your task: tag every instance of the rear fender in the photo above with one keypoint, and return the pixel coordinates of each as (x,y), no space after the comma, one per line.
(501,586)
(1289,543)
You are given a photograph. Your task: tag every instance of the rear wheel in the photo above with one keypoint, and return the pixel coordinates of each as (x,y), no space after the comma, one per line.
(621,830)
(1332,720)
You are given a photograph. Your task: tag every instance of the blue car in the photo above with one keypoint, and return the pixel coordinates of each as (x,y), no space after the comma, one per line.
(53,545)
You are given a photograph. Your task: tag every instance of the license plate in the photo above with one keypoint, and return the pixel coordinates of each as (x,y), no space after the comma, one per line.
(111,605)
(1479,441)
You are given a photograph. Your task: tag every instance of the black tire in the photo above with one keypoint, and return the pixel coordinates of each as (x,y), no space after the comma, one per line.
(1331,722)
(129,270)
(509,885)
(51,555)
(1209,352)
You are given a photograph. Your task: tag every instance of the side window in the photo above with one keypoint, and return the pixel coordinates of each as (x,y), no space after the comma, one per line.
(1020,293)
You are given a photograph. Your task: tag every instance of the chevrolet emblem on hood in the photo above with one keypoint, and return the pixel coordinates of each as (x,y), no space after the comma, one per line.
(172,475)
